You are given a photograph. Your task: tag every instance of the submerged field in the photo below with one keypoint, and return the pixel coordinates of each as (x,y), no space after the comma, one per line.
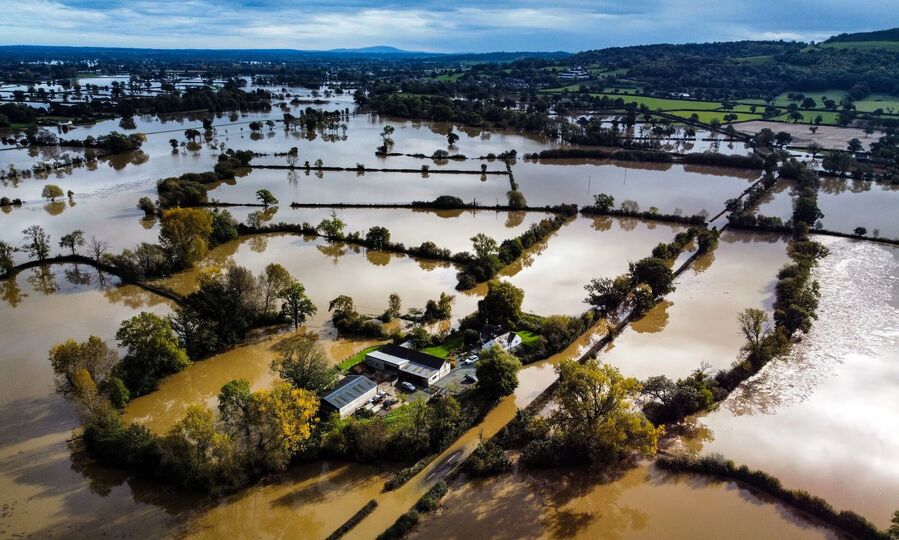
(804,418)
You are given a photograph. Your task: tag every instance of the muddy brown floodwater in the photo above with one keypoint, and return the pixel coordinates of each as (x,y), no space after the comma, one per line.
(824,418)
(697,323)
(554,272)
(642,503)
(46,490)
(667,186)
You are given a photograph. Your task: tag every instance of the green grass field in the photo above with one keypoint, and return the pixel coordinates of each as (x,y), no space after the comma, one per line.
(444,349)
(528,337)
(450,77)
(878,101)
(666,104)
(828,118)
(356,359)
(707,116)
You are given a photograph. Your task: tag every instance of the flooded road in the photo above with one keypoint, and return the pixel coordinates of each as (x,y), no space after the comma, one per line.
(823,418)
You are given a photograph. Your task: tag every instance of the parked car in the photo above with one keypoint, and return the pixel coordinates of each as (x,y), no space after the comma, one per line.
(390,400)
(408,386)
(470,360)
(470,379)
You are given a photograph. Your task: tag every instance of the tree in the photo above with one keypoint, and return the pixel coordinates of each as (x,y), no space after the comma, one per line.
(72,240)
(37,242)
(860,231)
(782,138)
(193,440)
(191,134)
(268,427)
(629,206)
(342,305)
(516,199)
(497,372)
(332,227)
(814,149)
(654,272)
(502,304)
(603,202)
(304,364)
(147,205)
(97,248)
(266,198)
(297,306)
(595,417)
(484,246)
(607,294)
(378,238)
(808,103)
(52,192)
(451,138)
(855,145)
(184,233)
(394,305)
(6,262)
(272,281)
(753,324)
(93,357)
(152,352)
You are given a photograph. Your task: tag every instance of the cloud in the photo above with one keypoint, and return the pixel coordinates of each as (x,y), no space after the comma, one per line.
(464,25)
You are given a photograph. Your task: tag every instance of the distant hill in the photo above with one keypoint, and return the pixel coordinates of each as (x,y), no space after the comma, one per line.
(880,35)
(377,49)
(381,52)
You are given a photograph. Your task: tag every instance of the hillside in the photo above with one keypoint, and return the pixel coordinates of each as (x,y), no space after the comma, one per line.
(891,34)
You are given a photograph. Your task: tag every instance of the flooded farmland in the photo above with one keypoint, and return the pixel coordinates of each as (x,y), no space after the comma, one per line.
(798,419)
(668,187)
(697,323)
(823,418)
(554,274)
(46,490)
(642,503)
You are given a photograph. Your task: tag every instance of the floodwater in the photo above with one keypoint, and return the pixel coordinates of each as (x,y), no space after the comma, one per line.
(823,418)
(554,272)
(327,271)
(669,187)
(845,203)
(45,490)
(697,323)
(369,188)
(310,501)
(532,381)
(643,502)
(449,229)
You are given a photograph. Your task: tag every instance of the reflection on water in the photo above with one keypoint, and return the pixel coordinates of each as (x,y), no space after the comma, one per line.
(640,503)
(663,185)
(698,322)
(310,501)
(824,417)
(46,490)
(554,281)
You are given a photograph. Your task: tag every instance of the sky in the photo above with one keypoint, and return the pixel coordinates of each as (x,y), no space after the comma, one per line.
(430,25)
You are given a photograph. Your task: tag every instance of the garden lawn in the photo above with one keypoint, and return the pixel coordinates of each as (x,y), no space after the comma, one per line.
(444,349)
(357,358)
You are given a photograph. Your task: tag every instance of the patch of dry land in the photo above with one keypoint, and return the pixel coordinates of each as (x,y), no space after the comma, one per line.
(830,137)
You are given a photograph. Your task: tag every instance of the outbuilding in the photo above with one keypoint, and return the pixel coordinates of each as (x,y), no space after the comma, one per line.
(419,368)
(351,393)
